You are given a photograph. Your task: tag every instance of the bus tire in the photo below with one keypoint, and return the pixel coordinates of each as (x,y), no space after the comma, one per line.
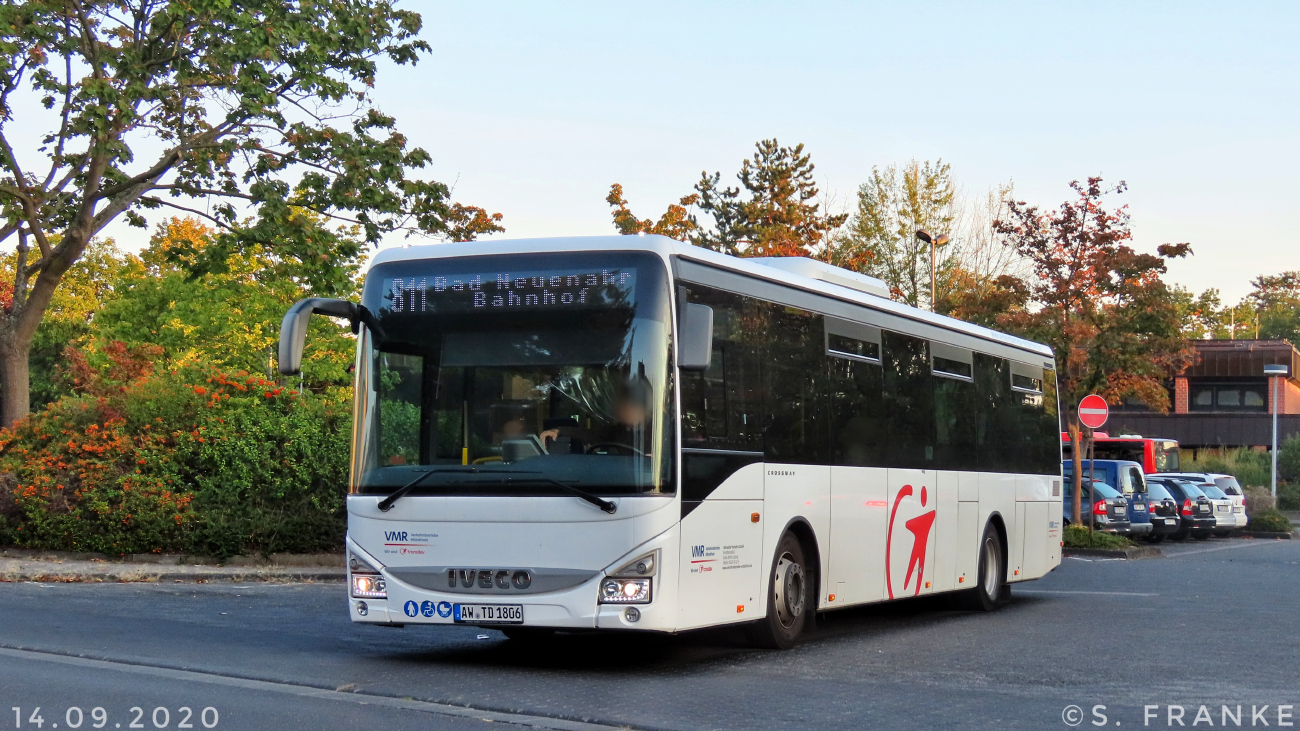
(788,598)
(991,589)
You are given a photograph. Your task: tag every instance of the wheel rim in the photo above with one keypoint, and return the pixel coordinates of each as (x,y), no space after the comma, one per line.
(789,586)
(992,562)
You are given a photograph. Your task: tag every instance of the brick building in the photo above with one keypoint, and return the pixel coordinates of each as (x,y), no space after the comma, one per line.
(1225,400)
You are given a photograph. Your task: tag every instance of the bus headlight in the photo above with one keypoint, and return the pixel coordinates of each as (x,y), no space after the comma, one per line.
(366,581)
(369,586)
(625,591)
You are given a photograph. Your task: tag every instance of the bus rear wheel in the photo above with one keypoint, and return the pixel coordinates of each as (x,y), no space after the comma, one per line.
(991,590)
(787,598)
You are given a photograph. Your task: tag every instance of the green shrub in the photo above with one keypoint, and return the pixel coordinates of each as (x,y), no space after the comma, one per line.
(1288,461)
(1288,496)
(1248,466)
(1078,536)
(187,462)
(1269,520)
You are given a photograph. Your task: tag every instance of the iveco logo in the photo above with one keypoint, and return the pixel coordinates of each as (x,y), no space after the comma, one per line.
(488,578)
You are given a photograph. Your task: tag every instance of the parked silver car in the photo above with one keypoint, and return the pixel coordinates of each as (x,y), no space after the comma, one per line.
(1231,518)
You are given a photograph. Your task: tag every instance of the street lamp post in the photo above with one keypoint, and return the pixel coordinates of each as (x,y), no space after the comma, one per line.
(1275,372)
(933,241)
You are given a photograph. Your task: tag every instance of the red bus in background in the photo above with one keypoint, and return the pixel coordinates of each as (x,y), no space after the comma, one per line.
(1153,453)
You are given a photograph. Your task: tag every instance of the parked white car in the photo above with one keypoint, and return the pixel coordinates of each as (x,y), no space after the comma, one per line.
(1233,514)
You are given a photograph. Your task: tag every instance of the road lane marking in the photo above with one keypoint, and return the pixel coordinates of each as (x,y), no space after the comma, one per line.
(305,691)
(1098,593)
(1254,543)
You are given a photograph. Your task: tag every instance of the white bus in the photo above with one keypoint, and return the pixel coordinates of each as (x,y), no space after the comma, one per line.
(633,433)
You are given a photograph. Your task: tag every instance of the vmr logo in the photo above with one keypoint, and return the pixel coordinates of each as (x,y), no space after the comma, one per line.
(918,522)
(395,535)
(697,551)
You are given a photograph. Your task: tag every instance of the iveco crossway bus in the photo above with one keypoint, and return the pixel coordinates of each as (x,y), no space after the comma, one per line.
(633,433)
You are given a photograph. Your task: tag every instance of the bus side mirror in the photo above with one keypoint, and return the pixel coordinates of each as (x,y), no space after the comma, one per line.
(293,329)
(695,338)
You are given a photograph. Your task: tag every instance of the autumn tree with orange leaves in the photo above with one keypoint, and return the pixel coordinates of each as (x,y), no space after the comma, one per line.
(1099,304)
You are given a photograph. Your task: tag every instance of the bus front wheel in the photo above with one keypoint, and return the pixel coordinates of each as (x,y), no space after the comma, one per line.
(991,590)
(788,603)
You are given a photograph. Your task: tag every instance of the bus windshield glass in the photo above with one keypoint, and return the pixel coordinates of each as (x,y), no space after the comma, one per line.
(1166,454)
(515,375)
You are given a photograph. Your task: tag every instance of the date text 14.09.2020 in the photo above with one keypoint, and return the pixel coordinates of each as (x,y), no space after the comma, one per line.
(136,717)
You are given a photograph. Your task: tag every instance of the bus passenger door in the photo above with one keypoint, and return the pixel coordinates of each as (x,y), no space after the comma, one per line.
(859,514)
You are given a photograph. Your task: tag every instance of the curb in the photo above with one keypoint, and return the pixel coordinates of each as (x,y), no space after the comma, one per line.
(1127,553)
(1266,534)
(276,560)
(74,576)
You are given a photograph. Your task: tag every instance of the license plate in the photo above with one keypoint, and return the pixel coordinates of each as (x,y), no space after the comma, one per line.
(1171,520)
(488,613)
(1223,508)
(1204,508)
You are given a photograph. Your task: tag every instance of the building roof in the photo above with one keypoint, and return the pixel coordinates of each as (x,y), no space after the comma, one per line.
(1242,358)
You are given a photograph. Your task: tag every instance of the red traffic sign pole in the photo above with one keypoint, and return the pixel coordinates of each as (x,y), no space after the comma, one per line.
(1093,411)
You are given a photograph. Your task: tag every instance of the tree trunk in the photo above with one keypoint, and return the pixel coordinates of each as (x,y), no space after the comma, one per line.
(1076,455)
(15,378)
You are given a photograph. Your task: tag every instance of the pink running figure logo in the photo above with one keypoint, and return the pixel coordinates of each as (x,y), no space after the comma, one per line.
(920,527)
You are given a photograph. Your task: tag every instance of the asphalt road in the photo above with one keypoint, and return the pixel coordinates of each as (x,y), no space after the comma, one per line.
(1211,623)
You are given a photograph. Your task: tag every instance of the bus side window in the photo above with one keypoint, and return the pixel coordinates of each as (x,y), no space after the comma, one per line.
(721,406)
(994,415)
(795,427)
(908,399)
(857,417)
(954,409)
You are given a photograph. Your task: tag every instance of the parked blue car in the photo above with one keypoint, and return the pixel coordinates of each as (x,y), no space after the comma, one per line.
(1126,477)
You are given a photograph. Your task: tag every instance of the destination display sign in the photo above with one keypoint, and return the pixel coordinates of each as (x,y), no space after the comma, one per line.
(483,291)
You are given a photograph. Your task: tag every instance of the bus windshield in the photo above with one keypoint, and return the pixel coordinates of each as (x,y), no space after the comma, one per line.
(1166,454)
(505,375)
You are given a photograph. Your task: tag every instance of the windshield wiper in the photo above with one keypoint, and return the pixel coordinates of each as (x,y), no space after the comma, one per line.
(606,505)
(393,496)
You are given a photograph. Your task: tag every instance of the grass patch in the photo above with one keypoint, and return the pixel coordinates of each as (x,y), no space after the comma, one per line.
(1268,520)
(1077,536)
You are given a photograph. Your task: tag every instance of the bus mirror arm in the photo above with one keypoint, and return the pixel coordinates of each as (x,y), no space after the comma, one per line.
(293,329)
(695,336)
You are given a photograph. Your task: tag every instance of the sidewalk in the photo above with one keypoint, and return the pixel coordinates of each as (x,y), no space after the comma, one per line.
(64,567)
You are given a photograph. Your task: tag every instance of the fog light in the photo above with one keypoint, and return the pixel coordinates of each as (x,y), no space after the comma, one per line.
(362,609)
(632,614)
(625,591)
(369,586)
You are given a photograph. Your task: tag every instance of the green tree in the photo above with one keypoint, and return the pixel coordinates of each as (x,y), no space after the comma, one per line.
(1276,301)
(240,113)
(1201,315)
(880,238)
(227,319)
(1100,305)
(772,213)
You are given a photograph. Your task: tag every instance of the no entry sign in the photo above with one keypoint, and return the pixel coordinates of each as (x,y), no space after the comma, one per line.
(1093,411)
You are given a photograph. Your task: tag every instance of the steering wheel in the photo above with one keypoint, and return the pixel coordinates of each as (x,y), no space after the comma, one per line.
(614,448)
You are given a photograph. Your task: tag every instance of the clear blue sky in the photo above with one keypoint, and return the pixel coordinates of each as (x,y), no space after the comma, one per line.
(535,108)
